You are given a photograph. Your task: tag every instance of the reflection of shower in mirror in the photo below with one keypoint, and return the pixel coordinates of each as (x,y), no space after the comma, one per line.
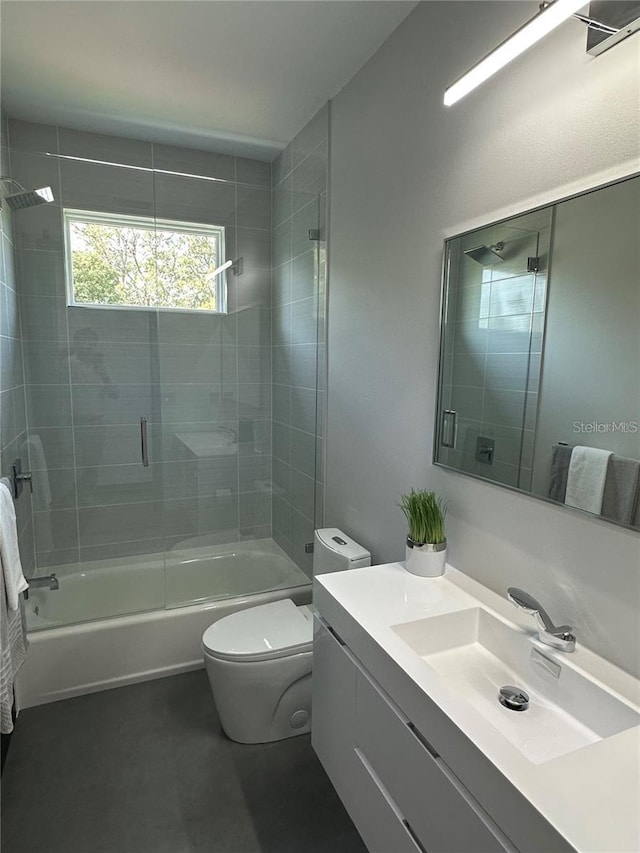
(486,255)
(539,361)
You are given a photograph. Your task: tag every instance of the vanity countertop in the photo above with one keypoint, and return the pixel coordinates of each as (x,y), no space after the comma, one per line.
(591,795)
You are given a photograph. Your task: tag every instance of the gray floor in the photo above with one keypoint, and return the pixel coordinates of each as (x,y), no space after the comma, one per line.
(146,769)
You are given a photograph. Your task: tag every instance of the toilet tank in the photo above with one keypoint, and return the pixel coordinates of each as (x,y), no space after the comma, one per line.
(334,551)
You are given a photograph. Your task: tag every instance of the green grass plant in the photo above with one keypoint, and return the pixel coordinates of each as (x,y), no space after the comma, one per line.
(425,514)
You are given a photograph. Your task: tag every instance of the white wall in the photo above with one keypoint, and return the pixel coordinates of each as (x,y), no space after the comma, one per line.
(405,173)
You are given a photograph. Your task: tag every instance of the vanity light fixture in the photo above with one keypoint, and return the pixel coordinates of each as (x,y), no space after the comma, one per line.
(547,19)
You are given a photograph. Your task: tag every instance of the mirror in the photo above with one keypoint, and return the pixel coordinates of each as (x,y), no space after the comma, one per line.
(539,385)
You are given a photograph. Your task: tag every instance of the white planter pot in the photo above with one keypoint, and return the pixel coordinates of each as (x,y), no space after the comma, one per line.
(427,561)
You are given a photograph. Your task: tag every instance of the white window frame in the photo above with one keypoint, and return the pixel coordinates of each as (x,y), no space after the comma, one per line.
(150,223)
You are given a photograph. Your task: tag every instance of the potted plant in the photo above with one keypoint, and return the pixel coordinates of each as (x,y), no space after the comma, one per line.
(426,542)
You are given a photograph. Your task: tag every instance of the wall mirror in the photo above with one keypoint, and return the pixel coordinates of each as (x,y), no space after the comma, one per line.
(539,384)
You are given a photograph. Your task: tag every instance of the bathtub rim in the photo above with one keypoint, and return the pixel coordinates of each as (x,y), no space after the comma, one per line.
(170,644)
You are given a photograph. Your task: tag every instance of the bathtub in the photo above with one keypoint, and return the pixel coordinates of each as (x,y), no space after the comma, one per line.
(77,645)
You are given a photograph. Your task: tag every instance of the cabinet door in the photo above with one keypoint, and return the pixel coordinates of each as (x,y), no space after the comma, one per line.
(440,811)
(333,709)
(375,815)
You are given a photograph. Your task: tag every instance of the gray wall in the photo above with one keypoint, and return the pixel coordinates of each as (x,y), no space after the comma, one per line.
(13,423)
(405,173)
(187,373)
(299,204)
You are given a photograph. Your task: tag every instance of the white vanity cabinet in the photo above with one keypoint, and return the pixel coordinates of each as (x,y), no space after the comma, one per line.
(398,791)
(420,761)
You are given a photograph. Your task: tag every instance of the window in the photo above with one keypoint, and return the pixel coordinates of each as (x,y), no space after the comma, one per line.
(143,262)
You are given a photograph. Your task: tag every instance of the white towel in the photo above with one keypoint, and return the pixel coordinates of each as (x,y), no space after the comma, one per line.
(587,475)
(14,580)
(13,651)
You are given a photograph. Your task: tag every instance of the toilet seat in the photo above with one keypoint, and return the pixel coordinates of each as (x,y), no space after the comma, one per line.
(265,632)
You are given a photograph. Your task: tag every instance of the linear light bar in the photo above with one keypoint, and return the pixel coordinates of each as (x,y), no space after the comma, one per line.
(537,28)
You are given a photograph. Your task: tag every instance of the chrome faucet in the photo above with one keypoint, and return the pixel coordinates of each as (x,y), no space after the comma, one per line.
(559,637)
(50,581)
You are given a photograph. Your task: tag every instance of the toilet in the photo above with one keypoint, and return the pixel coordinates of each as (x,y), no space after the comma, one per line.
(259,660)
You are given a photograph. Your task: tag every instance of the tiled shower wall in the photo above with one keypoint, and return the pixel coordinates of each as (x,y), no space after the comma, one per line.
(13,423)
(187,373)
(299,291)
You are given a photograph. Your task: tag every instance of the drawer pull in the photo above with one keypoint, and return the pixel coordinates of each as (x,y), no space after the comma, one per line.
(335,635)
(419,736)
(328,628)
(414,837)
(392,803)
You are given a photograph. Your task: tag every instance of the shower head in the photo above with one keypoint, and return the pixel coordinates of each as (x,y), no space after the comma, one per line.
(486,255)
(30,198)
(27,198)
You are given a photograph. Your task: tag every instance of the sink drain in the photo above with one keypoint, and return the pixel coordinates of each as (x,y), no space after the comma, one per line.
(513,698)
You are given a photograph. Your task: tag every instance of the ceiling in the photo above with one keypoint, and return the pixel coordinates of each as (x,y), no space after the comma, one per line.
(240,77)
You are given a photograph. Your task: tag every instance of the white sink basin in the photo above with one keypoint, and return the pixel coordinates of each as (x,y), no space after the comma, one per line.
(476,653)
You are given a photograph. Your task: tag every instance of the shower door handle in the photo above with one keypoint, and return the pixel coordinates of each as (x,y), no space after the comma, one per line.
(143,442)
(449,423)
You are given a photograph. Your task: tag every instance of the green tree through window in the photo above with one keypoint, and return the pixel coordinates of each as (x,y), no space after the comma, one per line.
(132,261)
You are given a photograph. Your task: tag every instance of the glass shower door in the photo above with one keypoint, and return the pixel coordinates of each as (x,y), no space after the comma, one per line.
(216,386)
(93,374)
(149,389)
(114,375)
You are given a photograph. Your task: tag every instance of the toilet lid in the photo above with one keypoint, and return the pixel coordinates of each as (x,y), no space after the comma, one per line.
(267,631)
